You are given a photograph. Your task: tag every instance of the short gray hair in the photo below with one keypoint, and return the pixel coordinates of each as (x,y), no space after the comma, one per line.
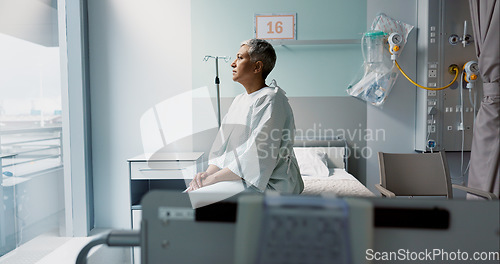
(261,50)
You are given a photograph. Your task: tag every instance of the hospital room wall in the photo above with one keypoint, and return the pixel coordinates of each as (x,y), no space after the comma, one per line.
(397,116)
(218,28)
(139,55)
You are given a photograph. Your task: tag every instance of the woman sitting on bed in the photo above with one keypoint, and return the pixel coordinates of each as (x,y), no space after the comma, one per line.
(255,142)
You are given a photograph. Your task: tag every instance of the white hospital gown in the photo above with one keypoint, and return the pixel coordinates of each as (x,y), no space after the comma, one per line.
(255,142)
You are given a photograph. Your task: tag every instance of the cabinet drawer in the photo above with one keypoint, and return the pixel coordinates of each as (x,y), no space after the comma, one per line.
(162,170)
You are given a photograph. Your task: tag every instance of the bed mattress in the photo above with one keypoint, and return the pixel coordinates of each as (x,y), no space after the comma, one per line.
(339,182)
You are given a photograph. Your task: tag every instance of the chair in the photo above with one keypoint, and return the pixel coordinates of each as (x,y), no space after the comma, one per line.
(419,174)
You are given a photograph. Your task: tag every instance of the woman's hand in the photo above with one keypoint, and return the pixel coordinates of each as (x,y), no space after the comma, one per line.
(197,181)
(211,176)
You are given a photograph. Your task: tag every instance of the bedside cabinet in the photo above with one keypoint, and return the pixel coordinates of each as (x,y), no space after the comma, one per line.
(167,171)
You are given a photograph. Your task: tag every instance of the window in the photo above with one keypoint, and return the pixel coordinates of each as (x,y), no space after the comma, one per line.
(31,184)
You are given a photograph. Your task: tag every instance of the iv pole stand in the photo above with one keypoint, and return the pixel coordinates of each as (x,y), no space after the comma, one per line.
(217,81)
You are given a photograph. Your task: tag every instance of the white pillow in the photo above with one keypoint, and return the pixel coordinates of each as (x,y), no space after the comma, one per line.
(312,161)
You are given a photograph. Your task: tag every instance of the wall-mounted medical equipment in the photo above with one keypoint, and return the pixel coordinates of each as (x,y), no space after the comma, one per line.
(445,118)
(395,41)
(471,69)
(446,71)
(378,74)
(373,43)
(394,48)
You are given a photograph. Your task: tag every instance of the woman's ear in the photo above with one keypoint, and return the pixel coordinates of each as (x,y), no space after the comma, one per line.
(258,66)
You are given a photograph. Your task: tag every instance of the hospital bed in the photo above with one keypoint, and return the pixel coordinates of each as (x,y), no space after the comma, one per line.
(323,166)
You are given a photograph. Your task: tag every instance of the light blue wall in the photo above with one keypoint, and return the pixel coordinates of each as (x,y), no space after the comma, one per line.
(218,28)
(305,72)
(144,52)
(397,116)
(139,56)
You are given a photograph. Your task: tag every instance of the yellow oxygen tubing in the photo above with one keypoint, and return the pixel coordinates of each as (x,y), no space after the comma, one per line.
(454,68)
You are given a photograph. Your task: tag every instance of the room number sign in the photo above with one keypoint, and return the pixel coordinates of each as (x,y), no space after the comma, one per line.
(275,26)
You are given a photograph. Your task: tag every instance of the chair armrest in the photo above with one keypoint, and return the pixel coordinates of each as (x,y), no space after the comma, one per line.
(484,194)
(384,191)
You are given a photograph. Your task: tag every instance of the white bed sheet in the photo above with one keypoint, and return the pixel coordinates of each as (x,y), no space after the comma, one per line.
(340,183)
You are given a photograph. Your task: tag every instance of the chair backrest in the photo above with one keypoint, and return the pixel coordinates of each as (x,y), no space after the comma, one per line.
(415,174)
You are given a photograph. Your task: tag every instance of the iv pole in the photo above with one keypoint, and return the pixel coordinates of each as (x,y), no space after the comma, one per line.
(217,81)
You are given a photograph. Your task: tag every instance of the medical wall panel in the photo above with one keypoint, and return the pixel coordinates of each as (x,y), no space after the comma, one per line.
(445,118)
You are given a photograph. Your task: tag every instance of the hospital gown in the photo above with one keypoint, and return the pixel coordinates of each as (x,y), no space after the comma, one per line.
(255,142)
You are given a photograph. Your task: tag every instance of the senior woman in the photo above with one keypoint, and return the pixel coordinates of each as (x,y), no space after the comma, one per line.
(255,142)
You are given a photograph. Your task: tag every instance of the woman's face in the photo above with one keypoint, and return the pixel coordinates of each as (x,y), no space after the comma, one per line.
(243,68)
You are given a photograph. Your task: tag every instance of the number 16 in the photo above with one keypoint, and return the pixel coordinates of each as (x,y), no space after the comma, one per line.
(278,27)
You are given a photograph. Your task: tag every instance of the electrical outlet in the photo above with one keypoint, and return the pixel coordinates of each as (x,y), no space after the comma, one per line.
(431,93)
(432,73)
